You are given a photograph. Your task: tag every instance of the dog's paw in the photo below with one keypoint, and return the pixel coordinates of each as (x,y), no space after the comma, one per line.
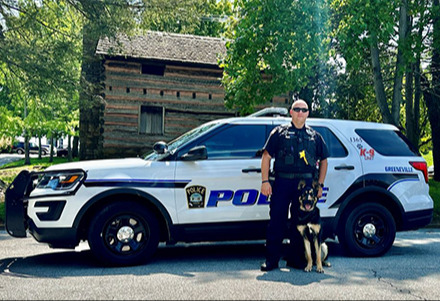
(319,270)
(308,268)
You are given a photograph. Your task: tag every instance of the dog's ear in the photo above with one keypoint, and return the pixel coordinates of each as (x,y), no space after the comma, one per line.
(301,184)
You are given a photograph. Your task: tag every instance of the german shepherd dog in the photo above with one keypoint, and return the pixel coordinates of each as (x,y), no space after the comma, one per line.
(307,222)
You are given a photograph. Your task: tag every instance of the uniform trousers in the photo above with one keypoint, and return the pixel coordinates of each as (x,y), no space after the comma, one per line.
(285,195)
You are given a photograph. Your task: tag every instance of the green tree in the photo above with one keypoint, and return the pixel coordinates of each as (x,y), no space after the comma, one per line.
(277,47)
(39,53)
(366,31)
(198,17)
(431,87)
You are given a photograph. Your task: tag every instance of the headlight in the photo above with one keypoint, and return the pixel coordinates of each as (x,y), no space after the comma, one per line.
(61,180)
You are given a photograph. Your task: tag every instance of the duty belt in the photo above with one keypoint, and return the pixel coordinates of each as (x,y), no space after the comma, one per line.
(288,175)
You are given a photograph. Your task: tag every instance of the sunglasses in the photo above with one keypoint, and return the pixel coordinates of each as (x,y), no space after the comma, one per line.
(304,110)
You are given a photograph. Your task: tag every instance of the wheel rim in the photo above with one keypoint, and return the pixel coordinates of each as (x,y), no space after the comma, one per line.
(370,231)
(125,235)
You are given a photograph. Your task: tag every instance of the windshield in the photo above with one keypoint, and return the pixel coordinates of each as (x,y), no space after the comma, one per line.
(181,140)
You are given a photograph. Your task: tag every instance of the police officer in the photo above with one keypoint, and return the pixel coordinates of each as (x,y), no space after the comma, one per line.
(299,152)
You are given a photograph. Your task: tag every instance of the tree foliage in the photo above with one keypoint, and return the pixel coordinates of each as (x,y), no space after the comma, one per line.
(199,17)
(39,55)
(278,45)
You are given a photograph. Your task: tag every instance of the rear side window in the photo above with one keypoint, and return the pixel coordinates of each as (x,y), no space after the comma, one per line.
(388,142)
(335,147)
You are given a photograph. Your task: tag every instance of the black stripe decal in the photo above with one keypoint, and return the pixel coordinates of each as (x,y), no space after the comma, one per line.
(137,183)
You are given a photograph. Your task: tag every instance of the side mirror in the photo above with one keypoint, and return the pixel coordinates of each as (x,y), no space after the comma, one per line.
(196,153)
(160,147)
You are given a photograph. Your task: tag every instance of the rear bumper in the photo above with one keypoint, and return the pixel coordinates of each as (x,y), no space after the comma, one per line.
(416,219)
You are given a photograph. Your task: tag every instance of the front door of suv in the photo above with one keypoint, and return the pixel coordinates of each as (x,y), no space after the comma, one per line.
(226,186)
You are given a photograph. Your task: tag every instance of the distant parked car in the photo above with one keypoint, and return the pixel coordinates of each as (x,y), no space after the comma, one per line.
(18,147)
(62,152)
(47,147)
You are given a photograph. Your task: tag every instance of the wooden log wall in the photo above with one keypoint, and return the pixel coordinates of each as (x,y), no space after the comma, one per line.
(189,95)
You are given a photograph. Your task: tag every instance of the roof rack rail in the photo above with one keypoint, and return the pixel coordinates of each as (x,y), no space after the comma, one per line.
(270,112)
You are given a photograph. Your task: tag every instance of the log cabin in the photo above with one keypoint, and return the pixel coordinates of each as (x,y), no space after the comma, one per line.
(158,86)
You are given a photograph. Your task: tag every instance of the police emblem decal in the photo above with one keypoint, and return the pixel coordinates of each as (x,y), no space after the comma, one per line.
(196,196)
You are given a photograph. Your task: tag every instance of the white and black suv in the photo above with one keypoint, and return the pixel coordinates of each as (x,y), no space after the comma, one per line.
(204,186)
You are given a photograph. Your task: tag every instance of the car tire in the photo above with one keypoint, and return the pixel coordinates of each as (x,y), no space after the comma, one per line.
(368,230)
(43,153)
(123,234)
(20,151)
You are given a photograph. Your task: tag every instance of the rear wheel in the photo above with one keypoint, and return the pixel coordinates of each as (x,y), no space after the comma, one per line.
(368,230)
(124,234)
(20,151)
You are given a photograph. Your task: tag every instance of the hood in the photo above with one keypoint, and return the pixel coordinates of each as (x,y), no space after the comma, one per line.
(108,164)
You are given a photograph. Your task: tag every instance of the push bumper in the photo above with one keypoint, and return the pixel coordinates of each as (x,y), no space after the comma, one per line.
(16,204)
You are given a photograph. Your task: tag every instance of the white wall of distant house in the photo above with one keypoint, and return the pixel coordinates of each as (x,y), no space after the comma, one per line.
(58,143)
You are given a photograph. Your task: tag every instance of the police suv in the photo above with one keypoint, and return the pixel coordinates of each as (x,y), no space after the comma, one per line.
(204,186)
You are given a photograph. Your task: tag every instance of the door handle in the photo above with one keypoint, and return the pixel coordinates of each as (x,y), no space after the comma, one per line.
(347,167)
(248,170)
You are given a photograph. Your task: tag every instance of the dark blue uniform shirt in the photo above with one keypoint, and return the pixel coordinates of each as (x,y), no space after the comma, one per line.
(273,143)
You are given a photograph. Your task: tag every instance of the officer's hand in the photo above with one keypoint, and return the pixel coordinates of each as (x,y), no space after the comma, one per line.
(266,189)
(319,194)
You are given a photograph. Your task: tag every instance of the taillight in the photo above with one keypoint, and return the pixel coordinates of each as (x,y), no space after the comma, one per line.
(423,167)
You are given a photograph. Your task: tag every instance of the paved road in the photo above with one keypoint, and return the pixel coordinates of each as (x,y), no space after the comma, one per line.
(220,271)
(7,158)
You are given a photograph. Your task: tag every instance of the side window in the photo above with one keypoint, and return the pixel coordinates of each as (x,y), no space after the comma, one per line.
(235,142)
(335,147)
(388,142)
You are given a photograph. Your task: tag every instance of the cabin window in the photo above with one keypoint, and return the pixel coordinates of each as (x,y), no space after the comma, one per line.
(151,120)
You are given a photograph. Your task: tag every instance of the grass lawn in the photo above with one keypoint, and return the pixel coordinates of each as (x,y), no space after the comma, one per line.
(9,171)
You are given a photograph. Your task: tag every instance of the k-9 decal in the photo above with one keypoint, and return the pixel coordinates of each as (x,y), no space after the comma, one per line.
(366,153)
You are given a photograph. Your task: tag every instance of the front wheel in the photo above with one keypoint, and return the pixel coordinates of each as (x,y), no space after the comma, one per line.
(369,230)
(123,234)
